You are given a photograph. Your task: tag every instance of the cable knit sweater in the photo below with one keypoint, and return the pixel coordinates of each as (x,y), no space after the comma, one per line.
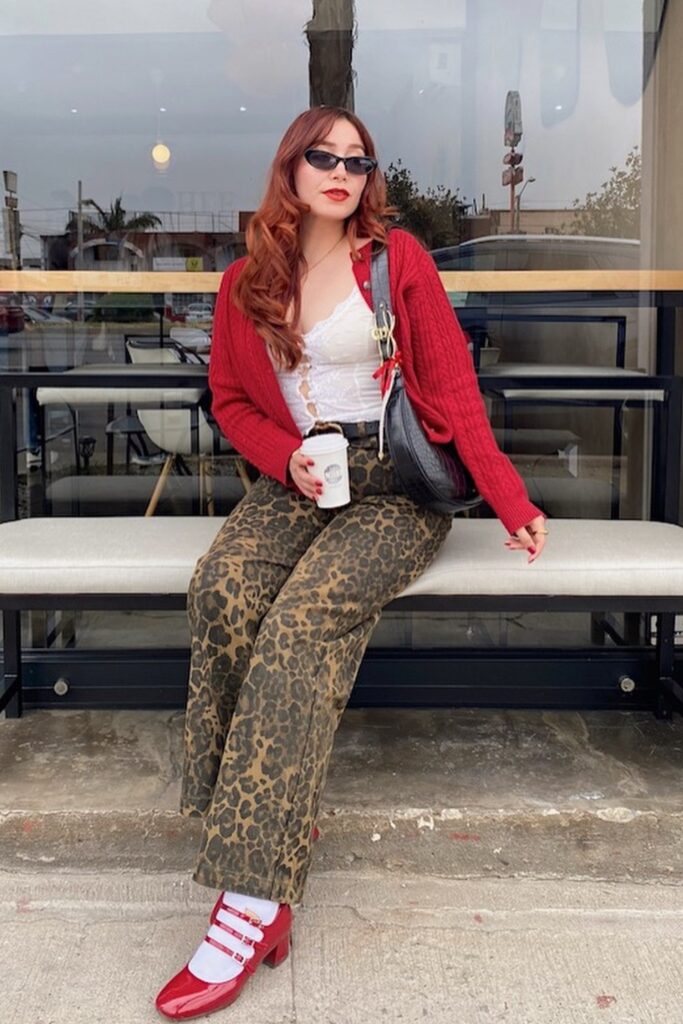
(438,371)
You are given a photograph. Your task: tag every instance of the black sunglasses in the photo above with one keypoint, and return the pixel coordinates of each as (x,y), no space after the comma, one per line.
(323,161)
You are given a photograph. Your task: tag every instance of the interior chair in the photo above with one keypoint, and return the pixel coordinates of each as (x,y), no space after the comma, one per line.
(139,349)
(170,430)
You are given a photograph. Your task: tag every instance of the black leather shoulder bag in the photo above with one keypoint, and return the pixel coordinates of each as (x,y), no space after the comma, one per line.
(431,474)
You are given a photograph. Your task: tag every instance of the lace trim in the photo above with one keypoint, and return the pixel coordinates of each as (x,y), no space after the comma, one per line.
(303,376)
(334,314)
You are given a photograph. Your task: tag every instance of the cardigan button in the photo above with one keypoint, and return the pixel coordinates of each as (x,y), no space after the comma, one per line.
(366,285)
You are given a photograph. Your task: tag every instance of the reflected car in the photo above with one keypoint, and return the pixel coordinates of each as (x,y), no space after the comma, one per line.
(11,314)
(71,309)
(34,315)
(198,311)
(539,252)
(489,317)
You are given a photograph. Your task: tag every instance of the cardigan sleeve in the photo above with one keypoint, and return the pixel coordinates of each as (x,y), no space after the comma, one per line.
(445,373)
(255,436)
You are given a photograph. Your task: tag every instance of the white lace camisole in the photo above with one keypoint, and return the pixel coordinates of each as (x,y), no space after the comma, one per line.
(333,380)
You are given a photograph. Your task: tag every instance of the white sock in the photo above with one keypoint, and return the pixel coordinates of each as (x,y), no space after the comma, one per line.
(212,964)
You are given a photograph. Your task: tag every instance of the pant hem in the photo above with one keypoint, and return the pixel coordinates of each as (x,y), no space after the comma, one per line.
(262,888)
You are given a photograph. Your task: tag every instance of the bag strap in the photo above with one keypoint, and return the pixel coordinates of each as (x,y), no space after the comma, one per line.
(383,332)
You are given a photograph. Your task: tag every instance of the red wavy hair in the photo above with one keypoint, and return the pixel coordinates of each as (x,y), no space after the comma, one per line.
(267,283)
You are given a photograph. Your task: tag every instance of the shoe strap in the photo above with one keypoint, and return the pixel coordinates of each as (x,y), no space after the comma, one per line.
(238,935)
(256,944)
(249,918)
(246,963)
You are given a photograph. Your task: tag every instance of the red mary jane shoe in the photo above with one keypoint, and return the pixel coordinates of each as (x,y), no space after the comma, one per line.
(186,996)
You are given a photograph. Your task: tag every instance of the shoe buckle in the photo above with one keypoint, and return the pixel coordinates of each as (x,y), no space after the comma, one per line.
(252,915)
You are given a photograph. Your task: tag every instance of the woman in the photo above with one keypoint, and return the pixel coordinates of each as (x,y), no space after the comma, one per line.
(283,604)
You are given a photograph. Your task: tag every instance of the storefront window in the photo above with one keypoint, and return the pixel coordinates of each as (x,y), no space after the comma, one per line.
(525,136)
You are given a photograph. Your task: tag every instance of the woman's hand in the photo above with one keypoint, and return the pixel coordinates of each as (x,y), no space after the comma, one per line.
(530,537)
(298,470)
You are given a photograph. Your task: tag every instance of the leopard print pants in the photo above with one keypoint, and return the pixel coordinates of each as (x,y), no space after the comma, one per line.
(281,608)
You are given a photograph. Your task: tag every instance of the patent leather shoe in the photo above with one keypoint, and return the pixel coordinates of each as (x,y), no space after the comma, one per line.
(186,996)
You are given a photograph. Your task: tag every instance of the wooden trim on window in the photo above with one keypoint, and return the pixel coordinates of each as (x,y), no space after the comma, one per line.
(453,280)
(108,281)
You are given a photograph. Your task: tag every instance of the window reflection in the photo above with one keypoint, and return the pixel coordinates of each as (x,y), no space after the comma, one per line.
(214,83)
(140,135)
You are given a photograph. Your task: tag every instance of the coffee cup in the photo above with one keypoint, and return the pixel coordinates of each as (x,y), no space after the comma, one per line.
(331,465)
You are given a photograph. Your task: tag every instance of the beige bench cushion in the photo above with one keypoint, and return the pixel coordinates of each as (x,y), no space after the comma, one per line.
(584,557)
(133,554)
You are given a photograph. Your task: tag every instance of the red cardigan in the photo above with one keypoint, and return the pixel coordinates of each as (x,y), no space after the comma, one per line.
(438,371)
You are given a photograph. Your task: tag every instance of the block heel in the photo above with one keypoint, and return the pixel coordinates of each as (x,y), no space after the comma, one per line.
(278,953)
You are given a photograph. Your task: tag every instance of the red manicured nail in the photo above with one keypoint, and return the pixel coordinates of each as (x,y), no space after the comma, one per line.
(532,550)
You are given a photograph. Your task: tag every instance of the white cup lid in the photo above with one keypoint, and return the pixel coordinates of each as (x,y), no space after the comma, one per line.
(322,444)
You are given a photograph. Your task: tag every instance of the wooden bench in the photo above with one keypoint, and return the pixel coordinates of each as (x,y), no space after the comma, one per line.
(147,562)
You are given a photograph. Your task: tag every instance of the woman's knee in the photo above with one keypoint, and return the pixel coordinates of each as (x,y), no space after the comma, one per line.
(216,589)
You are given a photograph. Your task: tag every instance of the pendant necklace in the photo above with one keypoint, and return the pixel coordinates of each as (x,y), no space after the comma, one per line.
(310,268)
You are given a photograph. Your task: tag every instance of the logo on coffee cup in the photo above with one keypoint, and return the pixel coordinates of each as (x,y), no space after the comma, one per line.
(332,473)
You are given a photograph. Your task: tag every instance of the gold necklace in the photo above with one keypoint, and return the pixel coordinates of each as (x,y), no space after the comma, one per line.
(310,268)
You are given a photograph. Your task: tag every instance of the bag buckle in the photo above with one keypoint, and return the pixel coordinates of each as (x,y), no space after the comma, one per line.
(384,325)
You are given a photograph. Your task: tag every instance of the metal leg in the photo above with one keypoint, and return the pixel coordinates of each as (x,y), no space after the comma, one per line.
(616,463)
(38,627)
(597,630)
(10,698)
(200,460)
(44,455)
(67,627)
(632,628)
(507,425)
(77,456)
(40,416)
(194,434)
(110,441)
(669,697)
(208,484)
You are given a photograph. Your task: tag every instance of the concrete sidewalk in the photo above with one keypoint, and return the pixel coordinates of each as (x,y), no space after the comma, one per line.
(96,949)
(474,865)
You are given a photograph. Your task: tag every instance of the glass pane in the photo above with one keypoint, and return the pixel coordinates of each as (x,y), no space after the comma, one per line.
(140,137)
